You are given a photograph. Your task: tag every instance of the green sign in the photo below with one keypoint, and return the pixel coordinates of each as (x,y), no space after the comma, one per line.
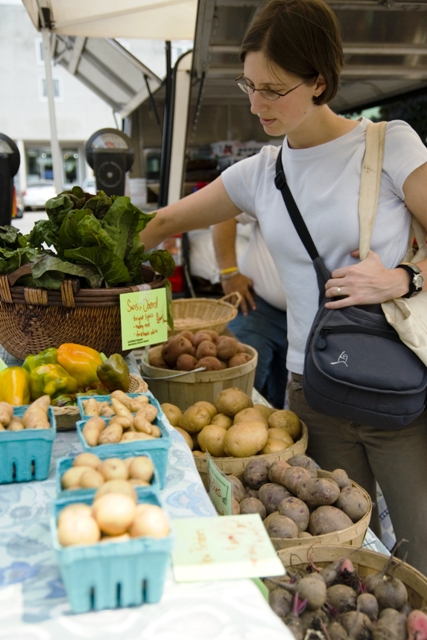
(220,489)
(144,318)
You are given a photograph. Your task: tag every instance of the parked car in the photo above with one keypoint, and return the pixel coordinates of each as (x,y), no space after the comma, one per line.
(37,193)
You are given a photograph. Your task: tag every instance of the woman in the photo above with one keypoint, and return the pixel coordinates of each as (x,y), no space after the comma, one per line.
(292,57)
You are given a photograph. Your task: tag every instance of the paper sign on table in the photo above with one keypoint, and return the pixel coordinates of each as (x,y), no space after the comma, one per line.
(223,548)
(220,488)
(144,318)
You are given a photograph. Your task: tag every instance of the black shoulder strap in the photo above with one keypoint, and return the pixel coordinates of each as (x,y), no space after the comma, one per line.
(280,181)
(294,212)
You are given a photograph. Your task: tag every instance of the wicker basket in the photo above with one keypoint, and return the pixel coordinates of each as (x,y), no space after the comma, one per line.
(236,466)
(66,417)
(32,320)
(193,314)
(352,536)
(365,562)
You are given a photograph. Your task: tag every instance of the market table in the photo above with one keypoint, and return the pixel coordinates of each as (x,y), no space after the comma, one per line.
(33,603)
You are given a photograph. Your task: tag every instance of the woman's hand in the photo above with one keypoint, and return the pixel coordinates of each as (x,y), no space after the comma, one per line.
(367,282)
(244,286)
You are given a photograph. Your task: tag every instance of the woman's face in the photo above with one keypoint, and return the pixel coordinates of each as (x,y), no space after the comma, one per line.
(287,114)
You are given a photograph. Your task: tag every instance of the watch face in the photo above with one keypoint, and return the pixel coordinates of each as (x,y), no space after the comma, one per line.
(418,281)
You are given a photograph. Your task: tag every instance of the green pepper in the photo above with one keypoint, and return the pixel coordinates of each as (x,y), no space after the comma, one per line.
(51,379)
(114,373)
(48,356)
(63,400)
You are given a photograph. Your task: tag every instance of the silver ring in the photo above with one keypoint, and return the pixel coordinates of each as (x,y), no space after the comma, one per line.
(338,290)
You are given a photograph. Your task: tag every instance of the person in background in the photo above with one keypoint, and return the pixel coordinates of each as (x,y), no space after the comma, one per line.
(292,58)
(261,322)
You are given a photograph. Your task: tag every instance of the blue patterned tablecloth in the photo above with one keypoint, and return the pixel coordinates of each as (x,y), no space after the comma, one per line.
(33,603)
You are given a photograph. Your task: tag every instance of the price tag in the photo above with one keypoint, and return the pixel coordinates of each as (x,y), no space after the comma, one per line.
(220,488)
(144,318)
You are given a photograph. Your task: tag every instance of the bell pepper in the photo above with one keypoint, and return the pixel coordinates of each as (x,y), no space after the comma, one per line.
(114,373)
(80,362)
(63,400)
(51,379)
(15,386)
(48,356)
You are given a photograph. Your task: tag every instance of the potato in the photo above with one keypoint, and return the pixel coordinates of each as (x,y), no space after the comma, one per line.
(149,411)
(117,486)
(155,355)
(293,476)
(249,415)
(91,479)
(274,445)
(151,522)
(232,400)
(172,413)
(141,468)
(111,434)
(186,334)
(235,507)
(206,348)
(253,505)
(194,419)
(188,439)
(245,439)
(186,362)
(202,335)
(256,473)
(238,490)
(239,359)
(86,460)
(211,439)
(173,348)
(296,510)
(208,405)
(113,469)
(199,454)
(227,347)
(251,493)
(286,419)
(131,436)
(318,491)
(277,470)
(210,363)
(271,495)
(222,420)
(71,477)
(114,512)
(262,408)
(352,501)
(92,429)
(281,527)
(341,478)
(301,460)
(78,530)
(76,509)
(327,519)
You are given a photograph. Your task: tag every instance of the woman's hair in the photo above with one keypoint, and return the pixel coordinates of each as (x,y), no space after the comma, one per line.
(302,37)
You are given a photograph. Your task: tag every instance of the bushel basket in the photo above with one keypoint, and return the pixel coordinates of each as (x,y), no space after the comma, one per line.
(194,314)
(32,320)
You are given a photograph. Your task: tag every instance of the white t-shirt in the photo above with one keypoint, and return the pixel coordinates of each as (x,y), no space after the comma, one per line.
(258,265)
(324,181)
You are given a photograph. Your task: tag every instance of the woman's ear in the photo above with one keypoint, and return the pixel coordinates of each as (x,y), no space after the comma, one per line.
(319,86)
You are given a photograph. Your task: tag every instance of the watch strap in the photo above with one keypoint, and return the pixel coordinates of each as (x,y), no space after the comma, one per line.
(412,270)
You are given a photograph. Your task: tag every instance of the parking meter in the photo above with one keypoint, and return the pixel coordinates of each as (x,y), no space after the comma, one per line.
(109,153)
(10,160)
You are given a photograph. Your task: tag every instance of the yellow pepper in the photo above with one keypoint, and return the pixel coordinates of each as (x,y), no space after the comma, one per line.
(80,362)
(15,386)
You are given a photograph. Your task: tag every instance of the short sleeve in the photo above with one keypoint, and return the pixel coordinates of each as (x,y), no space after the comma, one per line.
(404,152)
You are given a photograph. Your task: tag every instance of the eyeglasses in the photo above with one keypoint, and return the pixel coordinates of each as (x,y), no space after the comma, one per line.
(268,94)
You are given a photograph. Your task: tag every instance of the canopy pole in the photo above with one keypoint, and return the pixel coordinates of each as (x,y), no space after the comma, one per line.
(54,142)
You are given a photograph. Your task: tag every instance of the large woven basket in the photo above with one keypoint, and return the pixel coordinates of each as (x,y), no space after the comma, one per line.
(193,314)
(66,417)
(352,536)
(32,320)
(236,466)
(366,563)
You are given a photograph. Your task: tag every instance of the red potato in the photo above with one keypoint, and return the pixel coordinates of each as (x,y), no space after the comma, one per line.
(301,460)
(352,501)
(295,509)
(271,495)
(277,470)
(256,473)
(327,519)
(293,476)
(316,492)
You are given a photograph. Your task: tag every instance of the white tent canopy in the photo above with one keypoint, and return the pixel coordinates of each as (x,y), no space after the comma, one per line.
(154,19)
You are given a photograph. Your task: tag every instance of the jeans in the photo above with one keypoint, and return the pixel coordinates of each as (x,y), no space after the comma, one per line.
(394,459)
(265,329)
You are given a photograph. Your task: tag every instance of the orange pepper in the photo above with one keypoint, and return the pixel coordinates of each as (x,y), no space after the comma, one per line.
(80,362)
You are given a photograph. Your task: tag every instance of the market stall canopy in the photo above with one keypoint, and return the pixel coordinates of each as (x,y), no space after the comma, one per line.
(153,19)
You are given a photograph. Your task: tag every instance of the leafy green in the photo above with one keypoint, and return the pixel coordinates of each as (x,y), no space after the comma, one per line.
(93,238)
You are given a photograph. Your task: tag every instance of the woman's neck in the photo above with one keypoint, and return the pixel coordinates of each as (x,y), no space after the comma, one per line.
(323,126)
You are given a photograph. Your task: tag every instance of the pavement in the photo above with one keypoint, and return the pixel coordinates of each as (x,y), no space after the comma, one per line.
(26,223)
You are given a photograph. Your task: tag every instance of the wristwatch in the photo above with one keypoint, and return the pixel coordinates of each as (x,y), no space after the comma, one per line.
(416,282)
